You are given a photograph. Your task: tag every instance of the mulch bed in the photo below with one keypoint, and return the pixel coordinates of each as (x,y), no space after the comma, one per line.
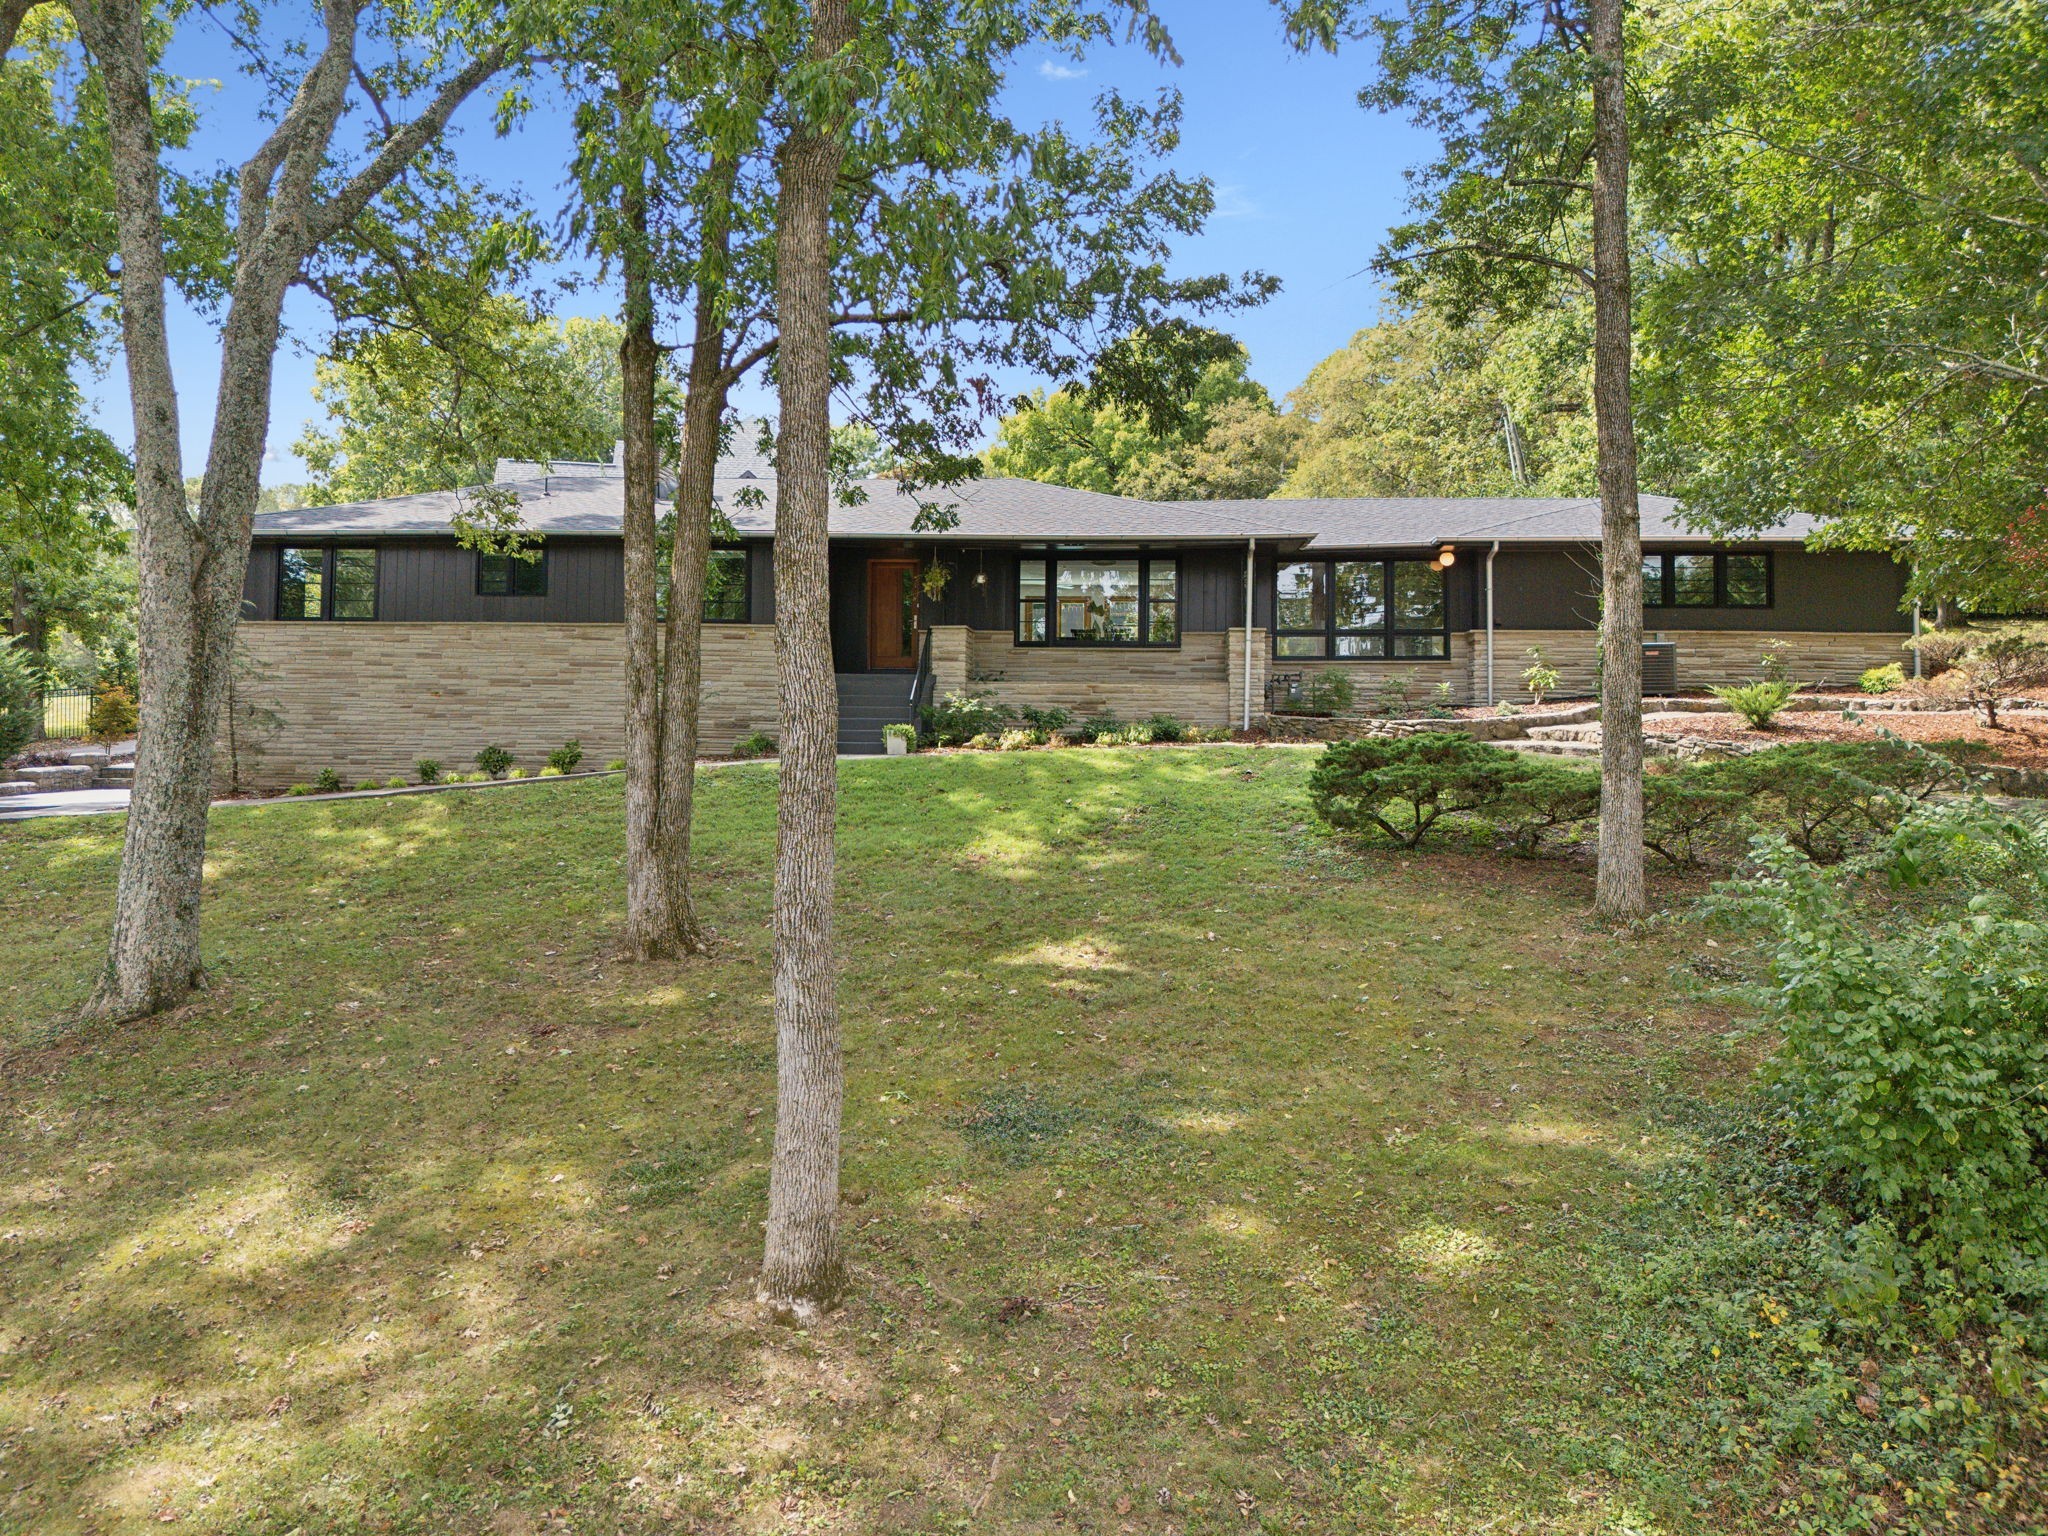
(2021,741)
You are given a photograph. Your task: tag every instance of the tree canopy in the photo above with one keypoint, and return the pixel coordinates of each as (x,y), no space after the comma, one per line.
(1418,406)
(412,413)
(1228,442)
(1846,316)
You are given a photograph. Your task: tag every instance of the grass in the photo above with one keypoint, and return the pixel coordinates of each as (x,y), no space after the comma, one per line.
(1201,1175)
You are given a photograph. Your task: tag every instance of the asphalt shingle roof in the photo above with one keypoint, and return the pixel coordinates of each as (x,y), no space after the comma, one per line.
(1031,510)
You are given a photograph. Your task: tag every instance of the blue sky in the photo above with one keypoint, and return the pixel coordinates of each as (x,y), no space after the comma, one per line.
(1307,183)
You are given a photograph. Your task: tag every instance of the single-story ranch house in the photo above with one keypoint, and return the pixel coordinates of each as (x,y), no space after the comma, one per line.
(376,639)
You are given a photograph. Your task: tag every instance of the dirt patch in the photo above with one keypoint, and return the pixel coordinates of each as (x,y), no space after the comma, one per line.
(2021,741)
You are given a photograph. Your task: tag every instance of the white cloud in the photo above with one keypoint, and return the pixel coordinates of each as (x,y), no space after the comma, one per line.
(1053,69)
(1231,203)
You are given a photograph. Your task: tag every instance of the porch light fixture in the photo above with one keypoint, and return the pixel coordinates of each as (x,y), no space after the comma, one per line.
(1446,557)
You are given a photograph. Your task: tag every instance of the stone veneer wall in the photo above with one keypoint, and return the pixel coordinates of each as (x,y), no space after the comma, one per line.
(1705,656)
(1129,682)
(367,699)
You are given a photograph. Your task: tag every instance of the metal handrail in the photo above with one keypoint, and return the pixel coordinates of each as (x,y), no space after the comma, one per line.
(922,679)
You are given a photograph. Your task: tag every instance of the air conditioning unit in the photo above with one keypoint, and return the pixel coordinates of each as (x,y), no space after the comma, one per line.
(1660,668)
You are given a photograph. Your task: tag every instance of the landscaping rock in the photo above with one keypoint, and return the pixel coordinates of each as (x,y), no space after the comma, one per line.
(11,787)
(88,757)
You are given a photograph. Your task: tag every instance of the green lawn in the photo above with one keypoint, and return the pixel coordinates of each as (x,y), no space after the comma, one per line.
(1201,1175)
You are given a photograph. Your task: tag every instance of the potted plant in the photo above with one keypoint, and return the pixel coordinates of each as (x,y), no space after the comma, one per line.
(898,739)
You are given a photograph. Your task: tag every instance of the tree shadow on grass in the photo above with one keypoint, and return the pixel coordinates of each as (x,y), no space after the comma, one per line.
(438,1219)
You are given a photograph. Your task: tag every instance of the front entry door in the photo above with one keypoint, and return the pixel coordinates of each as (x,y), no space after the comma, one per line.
(892,614)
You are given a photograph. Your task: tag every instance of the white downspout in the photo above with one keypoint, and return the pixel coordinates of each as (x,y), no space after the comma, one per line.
(1489,619)
(1916,635)
(1250,545)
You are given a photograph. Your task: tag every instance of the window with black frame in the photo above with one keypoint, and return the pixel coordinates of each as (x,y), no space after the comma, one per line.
(1098,600)
(327,581)
(1692,579)
(1360,610)
(725,586)
(512,575)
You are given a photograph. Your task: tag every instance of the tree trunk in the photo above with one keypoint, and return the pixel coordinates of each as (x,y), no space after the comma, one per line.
(153,956)
(803,1272)
(192,564)
(655,928)
(689,564)
(1619,885)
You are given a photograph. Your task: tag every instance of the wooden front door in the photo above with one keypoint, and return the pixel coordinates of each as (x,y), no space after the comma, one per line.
(892,614)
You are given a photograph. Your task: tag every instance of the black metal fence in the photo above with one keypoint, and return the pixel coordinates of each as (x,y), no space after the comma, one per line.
(66,711)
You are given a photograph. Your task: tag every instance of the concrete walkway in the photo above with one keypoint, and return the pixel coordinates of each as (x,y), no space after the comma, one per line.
(64,802)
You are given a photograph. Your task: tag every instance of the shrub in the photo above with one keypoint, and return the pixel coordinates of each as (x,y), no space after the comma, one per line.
(1328,692)
(1823,796)
(958,717)
(1912,1051)
(565,757)
(616,765)
(114,715)
(1984,666)
(1095,727)
(1539,677)
(395,782)
(907,734)
(1545,798)
(1687,817)
(21,697)
(1331,691)
(984,741)
(1429,775)
(1018,740)
(1440,705)
(1889,678)
(300,789)
(1390,696)
(757,744)
(493,761)
(1507,707)
(1047,720)
(1164,727)
(1759,703)
(427,770)
(327,782)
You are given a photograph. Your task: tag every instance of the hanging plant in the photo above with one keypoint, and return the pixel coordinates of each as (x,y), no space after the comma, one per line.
(936,575)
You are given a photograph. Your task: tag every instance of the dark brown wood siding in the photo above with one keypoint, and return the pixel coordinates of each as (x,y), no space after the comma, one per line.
(1829,592)
(425,580)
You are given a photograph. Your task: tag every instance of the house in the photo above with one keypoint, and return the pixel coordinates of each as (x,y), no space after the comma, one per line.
(376,639)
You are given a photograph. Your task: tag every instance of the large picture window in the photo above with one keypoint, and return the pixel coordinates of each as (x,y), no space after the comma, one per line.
(512,575)
(1690,580)
(1366,610)
(725,585)
(1098,600)
(326,581)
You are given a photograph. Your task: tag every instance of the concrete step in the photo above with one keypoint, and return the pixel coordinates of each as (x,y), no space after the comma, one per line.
(1586,731)
(9,788)
(93,757)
